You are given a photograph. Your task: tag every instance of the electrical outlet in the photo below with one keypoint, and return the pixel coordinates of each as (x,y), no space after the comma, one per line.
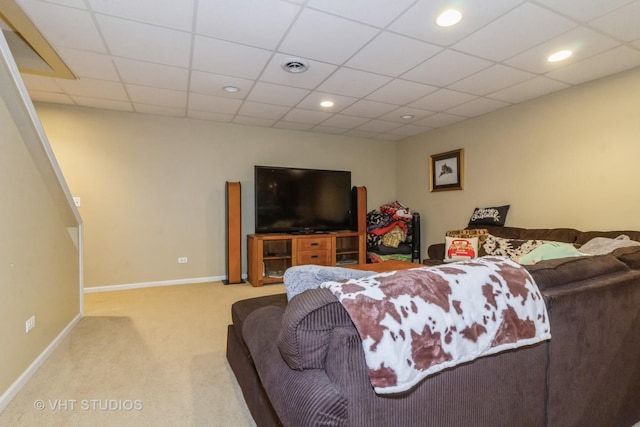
(183,260)
(30,323)
(77,201)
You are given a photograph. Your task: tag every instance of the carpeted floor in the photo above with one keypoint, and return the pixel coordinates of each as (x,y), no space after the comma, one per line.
(142,357)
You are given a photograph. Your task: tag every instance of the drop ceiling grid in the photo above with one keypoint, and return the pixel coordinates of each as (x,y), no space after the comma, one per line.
(379,59)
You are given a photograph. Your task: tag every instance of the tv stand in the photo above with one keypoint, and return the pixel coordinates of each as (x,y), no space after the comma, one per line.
(269,255)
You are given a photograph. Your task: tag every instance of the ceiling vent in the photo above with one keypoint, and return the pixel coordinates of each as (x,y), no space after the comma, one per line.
(295,65)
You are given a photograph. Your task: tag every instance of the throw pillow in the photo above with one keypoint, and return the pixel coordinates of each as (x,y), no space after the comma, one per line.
(489,216)
(549,250)
(510,248)
(459,249)
(480,233)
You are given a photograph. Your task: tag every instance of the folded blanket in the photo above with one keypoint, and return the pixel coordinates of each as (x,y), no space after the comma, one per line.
(417,322)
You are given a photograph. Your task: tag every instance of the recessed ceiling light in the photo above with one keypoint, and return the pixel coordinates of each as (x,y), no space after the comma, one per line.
(231,89)
(406,116)
(560,55)
(326,104)
(449,17)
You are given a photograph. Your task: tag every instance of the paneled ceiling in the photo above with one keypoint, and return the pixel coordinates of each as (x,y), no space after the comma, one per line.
(390,71)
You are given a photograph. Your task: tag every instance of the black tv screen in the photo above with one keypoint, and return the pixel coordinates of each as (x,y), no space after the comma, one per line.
(291,200)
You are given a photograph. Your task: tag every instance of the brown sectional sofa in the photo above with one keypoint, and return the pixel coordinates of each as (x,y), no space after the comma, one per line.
(588,374)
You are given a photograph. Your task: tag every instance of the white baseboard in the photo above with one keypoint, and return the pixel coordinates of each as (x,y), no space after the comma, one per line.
(92,289)
(28,373)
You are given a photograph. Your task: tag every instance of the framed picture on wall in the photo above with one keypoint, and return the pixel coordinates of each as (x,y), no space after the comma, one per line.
(446,171)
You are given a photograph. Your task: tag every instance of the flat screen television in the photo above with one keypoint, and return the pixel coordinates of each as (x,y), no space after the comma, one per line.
(295,200)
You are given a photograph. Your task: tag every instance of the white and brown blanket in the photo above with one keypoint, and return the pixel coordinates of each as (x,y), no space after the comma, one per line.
(417,322)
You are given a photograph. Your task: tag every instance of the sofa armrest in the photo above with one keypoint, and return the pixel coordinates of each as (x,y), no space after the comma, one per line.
(436,251)
(307,324)
(299,397)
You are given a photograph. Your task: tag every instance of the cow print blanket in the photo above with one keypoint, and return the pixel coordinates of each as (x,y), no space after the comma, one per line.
(416,322)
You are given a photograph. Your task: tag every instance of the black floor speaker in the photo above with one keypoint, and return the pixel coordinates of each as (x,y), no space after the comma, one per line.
(415,242)
(233,233)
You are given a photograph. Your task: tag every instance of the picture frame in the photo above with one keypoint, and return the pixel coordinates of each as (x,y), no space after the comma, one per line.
(446,171)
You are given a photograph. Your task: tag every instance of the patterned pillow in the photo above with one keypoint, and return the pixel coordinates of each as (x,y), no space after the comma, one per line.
(489,216)
(510,248)
(459,249)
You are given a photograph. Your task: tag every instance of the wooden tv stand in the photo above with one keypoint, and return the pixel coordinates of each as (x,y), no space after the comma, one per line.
(269,255)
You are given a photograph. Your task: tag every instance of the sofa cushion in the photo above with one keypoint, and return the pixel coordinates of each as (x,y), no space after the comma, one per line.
(584,237)
(630,256)
(241,309)
(556,272)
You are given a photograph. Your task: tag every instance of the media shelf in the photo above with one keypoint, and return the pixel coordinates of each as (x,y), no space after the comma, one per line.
(269,255)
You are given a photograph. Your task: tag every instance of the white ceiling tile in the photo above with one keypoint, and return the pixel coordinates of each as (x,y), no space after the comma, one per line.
(265,111)
(51,97)
(439,120)
(583,10)
(345,122)
(355,83)
(65,26)
(360,133)
(157,96)
(477,107)
(529,89)
(293,126)
(276,94)
(232,59)
(396,115)
(171,14)
(313,100)
(379,126)
(582,41)
(457,65)
(106,104)
(210,116)
(610,62)
(441,100)
(213,84)
(298,115)
(78,4)
(145,42)
(328,129)
(491,79)
(388,137)
(419,20)
(315,74)
(370,109)
(512,33)
(260,23)
(213,104)
(89,64)
(324,37)
(400,54)
(160,110)
(375,12)
(409,130)
(94,89)
(253,121)
(150,74)
(401,92)
(623,23)
(41,83)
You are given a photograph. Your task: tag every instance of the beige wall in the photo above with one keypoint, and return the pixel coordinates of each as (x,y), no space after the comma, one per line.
(152,187)
(39,272)
(569,159)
